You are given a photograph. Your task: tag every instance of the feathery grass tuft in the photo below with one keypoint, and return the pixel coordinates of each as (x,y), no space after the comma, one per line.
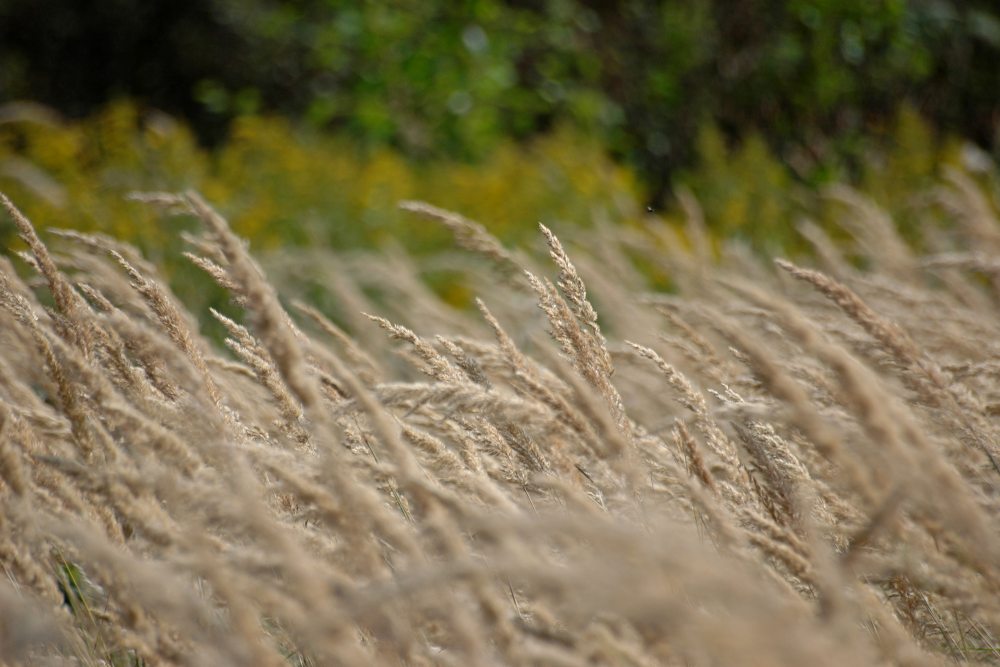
(760,478)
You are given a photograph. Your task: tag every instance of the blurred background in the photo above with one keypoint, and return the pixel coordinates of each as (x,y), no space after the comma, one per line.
(306,121)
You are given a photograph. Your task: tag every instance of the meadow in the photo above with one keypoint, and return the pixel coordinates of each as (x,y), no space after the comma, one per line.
(768,463)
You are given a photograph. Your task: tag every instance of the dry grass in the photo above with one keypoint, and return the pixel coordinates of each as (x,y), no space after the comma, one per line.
(759,470)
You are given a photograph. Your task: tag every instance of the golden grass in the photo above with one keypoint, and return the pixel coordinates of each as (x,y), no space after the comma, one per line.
(758,470)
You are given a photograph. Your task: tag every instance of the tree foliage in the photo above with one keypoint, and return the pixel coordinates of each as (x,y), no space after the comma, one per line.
(433,78)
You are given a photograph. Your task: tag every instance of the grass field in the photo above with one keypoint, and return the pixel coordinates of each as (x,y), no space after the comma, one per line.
(769,465)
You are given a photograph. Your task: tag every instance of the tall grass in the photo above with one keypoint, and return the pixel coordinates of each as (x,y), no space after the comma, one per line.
(775,465)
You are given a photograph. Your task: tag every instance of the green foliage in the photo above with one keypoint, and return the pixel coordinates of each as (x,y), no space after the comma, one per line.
(747,192)
(71,585)
(281,186)
(431,78)
(85,601)
(461,80)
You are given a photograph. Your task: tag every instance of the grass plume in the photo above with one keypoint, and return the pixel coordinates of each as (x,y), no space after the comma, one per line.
(739,473)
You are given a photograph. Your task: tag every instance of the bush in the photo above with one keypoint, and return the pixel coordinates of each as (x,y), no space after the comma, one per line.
(458,80)
(282,185)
